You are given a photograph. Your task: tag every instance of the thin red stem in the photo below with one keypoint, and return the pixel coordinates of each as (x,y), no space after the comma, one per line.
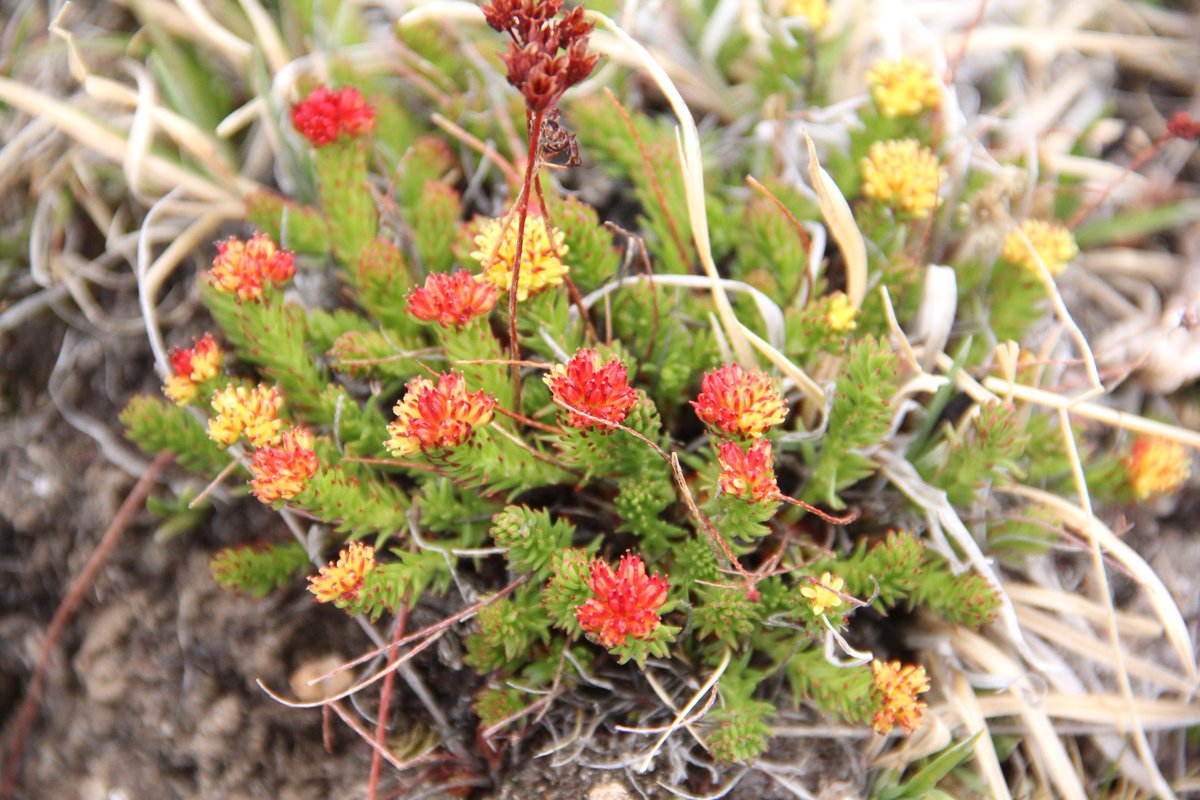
(1133,167)
(531,165)
(385,701)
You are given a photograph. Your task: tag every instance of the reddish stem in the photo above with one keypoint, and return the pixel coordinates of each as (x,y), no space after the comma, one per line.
(1133,167)
(655,186)
(385,700)
(531,164)
(66,610)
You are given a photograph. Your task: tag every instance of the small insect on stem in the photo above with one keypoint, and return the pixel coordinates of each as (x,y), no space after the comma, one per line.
(557,140)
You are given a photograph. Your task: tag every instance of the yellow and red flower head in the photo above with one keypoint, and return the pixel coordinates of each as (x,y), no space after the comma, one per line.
(626,602)
(246,268)
(341,582)
(541,254)
(253,413)
(896,688)
(280,472)
(452,299)
(588,383)
(437,417)
(326,115)
(192,366)
(750,470)
(1156,466)
(738,401)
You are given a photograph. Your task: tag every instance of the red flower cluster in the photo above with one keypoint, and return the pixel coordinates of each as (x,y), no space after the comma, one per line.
(247,267)
(535,66)
(601,388)
(750,470)
(437,417)
(280,472)
(1182,126)
(453,299)
(324,115)
(190,367)
(626,602)
(740,402)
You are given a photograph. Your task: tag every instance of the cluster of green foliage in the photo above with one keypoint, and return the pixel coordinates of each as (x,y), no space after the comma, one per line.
(531,497)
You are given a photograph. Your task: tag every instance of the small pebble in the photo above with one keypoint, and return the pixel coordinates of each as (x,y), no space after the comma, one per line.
(315,668)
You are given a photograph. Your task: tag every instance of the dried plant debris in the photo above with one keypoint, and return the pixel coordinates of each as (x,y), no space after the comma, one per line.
(824,401)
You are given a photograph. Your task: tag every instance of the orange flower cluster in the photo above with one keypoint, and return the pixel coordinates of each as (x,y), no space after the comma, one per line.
(280,472)
(750,470)
(588,383)
(897,688)
(253,413)
(626,602)
(739,402)
(1156,466)
(453,299)
(437,417)
(246,268)
(342,581)
(192,366)
(326,115)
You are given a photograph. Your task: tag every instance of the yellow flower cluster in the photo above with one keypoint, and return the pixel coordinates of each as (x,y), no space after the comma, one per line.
(253,413)
(342,581)
(897,688)
(816,12)
(823,594)
(1156,466)
(840,316)
(1052,243)
(904,176)
(541,258)
(904,88)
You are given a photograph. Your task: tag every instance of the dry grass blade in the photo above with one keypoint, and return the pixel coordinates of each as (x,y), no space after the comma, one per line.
(1088,525)
(1044,745)
(1087,645)
(840,220)
(693,176)
(1108,711)
(162,173)
(1070,603)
